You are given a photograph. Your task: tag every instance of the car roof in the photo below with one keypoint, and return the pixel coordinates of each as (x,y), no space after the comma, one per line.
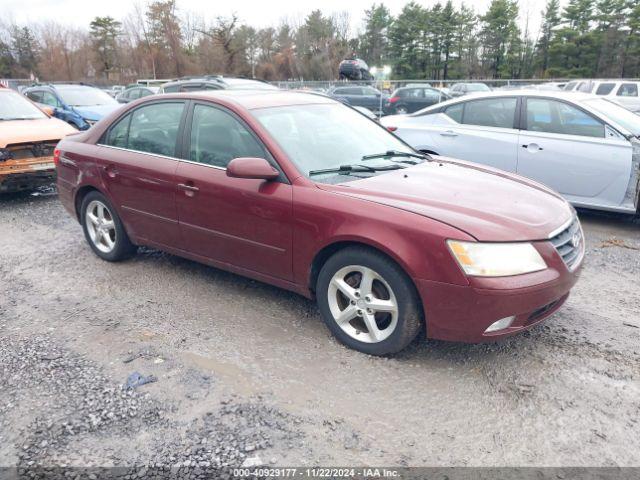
(560,94)
(254,99)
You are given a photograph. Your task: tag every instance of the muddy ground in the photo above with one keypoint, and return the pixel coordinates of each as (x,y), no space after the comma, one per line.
(247,373)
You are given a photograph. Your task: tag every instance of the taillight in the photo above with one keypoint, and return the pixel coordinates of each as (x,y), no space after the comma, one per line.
(392,129)
(394,99)
(56,157)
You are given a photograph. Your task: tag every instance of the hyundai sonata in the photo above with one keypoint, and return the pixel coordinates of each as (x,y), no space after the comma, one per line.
(301,191)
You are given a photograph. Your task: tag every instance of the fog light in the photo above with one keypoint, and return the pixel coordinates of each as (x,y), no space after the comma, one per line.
(500,324)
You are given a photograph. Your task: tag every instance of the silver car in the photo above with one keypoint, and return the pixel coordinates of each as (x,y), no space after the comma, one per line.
(583,146)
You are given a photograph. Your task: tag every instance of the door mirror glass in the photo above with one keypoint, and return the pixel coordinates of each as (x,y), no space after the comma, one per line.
(254,168)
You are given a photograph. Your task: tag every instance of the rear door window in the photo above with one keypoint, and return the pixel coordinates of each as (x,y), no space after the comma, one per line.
(118,133)
(414,93)
(50,99)
(35,96)
(150,129)
(552,116)
(605,88)
(455,112)
(628,90)
(191,87)
(490,112)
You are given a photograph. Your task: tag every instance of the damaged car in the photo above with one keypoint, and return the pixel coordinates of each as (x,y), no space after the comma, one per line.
(303,192)
(583,146)
(28,137)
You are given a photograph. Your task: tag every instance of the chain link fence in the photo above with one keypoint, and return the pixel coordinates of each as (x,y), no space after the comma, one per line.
(388,86)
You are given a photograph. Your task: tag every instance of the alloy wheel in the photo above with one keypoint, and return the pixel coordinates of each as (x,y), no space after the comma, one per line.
(363,304)
(101,226)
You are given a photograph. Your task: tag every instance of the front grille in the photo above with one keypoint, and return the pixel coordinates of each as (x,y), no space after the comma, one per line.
(570,244)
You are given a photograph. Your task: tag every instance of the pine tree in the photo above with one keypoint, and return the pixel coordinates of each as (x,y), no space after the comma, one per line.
(501,38)
(373,42)
(104,32)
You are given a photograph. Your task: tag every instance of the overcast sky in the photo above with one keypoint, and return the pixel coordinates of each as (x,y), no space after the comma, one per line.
(258,13)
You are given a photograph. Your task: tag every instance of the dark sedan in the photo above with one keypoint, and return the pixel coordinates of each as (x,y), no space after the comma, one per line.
(360,96)
(412,99)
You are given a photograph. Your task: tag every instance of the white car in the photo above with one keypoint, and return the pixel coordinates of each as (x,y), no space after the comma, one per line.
(620,91)
(583,146)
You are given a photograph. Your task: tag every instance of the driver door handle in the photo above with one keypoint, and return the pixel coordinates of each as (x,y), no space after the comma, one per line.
(449,133)
(189,188)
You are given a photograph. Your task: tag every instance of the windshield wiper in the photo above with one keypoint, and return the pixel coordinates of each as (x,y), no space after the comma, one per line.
(396,153)
(347,169)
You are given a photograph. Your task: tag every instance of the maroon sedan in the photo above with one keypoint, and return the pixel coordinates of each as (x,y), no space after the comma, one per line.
(305,193)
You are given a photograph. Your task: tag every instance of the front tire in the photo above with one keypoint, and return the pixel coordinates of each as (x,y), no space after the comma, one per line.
(103,229)
(368,302)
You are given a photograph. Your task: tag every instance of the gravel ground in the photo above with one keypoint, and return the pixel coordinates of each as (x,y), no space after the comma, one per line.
(247,373)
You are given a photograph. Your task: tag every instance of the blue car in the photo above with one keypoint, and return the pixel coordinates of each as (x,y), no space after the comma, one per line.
(78,105)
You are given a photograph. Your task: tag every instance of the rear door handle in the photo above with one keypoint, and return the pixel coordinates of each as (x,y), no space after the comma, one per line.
(449,133)
(533,146)
(189,189)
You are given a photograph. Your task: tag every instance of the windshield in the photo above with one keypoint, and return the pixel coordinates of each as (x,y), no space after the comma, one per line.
(85,97)
(16,107)
(327,136)
(477,87)
(618,114)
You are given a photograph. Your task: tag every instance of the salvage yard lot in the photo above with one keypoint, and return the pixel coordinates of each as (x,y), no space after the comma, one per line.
(246,370)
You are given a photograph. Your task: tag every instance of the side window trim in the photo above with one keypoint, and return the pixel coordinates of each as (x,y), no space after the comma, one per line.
(130,113)
(185,138)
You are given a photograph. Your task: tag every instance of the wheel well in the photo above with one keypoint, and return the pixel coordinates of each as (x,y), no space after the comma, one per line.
(83,192)
(323,255)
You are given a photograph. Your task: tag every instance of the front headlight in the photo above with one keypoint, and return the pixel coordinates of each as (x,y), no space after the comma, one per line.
(496,259)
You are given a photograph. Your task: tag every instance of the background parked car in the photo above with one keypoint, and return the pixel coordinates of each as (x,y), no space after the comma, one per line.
(134,93)
(28,138)
(214,82)
(623,92)
(354,69)
(411,99)
(460,89)
(79,105)
(360,96)
(578,144)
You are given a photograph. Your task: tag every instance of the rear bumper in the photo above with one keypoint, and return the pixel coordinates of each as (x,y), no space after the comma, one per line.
(26,179)
(463,313)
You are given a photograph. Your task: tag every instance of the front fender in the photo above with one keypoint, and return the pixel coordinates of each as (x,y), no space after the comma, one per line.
(416,243)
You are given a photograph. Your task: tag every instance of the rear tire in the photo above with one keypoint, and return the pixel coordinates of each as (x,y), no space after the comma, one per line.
(103,229)
(368,302)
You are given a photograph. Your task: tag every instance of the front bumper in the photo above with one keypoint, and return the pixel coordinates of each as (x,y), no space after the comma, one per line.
(463,313)
(19,175)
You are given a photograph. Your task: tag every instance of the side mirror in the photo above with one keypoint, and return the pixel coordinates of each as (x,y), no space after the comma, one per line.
(47,109)
(254,168)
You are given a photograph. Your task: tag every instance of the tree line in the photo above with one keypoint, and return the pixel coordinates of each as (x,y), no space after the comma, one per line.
(583,38)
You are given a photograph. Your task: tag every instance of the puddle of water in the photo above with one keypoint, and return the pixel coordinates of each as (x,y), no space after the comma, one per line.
(231,375)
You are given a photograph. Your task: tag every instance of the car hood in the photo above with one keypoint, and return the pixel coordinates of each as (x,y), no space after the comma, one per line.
(96,112)
(23,131)
(486,203)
